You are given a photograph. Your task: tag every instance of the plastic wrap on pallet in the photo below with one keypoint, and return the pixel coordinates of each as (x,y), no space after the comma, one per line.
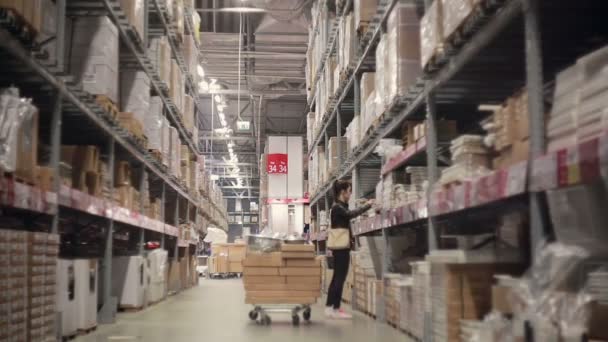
(431,32)
(330,81)
(166,141)
(94,56)
(368,112)
(173,151)
(196,22)
(135,93)
(335,159)
(310,127)
(176,88)
(346,44)
(403,48)
(160,55)
(454,14)
(188,113)
(382,77)
(364,12)
(190,55)
(134,9)
(18,134)
(353,133)
(178,16)
(153,124)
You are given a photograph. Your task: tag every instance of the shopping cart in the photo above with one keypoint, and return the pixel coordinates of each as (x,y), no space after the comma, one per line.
(260,312)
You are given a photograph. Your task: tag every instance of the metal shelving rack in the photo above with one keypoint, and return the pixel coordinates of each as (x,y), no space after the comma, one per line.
(73,110)
(504,43)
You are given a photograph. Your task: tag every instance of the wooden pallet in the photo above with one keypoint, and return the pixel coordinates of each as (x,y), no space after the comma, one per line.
(108,105)
(158,155)
(86,331)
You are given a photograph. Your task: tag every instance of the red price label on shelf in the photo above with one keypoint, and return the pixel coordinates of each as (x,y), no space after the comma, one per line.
(277,163)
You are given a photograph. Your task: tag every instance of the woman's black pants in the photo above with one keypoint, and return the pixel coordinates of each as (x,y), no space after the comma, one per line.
(341,263)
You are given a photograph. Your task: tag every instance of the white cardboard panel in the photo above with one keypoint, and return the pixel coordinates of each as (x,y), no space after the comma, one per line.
(277,183)
(295,167)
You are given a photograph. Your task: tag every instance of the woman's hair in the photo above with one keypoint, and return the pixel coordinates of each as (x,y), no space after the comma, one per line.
(341,185)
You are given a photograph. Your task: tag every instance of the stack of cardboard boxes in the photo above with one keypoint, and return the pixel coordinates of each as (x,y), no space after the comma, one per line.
(512,131)
(28,266)
(292,276)
(86,168)
(226,258)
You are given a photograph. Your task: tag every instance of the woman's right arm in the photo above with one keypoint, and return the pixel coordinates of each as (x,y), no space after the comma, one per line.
(350,214)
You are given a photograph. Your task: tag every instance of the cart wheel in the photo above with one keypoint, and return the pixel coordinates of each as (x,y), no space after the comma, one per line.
(295,319)
(253,315)
(266,320)
(306,315)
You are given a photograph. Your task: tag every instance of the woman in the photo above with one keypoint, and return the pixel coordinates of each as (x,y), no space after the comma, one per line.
(340,217)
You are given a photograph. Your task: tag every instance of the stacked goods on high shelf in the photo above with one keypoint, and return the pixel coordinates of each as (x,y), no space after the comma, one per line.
(19,138)
(579,102)
(364,11)
(322,20)
(291,275)
(337,153)
(135,11)
(28,268)
(226,258)
(470,159)
(135,101)
(317,169)
(346,47)
(94,57)
(160,56)
(441,24)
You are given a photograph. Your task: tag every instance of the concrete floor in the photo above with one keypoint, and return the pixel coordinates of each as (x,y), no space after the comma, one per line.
(214,311)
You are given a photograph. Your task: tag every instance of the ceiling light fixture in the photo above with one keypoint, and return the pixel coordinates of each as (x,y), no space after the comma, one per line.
(200,70)
(218,98)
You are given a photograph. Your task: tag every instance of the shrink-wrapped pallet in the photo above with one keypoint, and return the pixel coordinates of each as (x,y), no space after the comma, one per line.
(403,49)
(431,33)
(166,142)
(364,12)
(135,93)
(176,88)
(188,113)
(160,56)
(153,124)
(190,55)
(94,56)
(382,76)
(134,9)
(455,12)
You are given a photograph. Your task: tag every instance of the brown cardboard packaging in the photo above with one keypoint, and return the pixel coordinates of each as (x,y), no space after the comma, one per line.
(283,287)
(261,271)
(236,252)
(248,279)
(297,248)
(27,149)
(263,260)
(303,280)
(235,267)
(44,178)
(303,262)
(122,173)
(298,255)
(300,271)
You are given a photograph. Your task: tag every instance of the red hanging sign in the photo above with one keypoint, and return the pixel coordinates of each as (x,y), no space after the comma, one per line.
(276,163)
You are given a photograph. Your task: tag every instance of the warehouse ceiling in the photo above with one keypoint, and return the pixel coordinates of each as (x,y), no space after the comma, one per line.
(272,86)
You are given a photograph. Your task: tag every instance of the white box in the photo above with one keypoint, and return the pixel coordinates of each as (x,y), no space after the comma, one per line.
(94,56)
(135,93)
(65,296)
(129,274)
(86,271)
(153,124)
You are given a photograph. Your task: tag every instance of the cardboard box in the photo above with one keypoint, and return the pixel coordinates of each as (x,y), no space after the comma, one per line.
(236,252)
(235,267)
(134,10)
(312,280)
(250,279)
(44,178)
(303,262)
(283,293)
(300,271)
(27,147)
(261,271)
(297,255)
(283,287)
(263,260)
(297,248)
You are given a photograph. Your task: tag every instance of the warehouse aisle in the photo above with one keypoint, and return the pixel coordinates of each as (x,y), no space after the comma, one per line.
(215,311)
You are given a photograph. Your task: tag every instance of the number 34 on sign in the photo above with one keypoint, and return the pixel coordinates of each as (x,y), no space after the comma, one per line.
(276,163)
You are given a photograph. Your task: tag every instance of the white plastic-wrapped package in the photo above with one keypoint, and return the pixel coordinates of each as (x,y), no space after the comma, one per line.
(353,133)
(166,142)
(454,14)
(431,32)
(190,55)
(160,56)
(134,9)
(94,56)
(403,48)
(337,152)
(176,88)
(346,42)
(175,149)
(369,114)
(178,16)
(18,131)
(381,76)
(135,93)
(188,113)
(196,22)
(153,124)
